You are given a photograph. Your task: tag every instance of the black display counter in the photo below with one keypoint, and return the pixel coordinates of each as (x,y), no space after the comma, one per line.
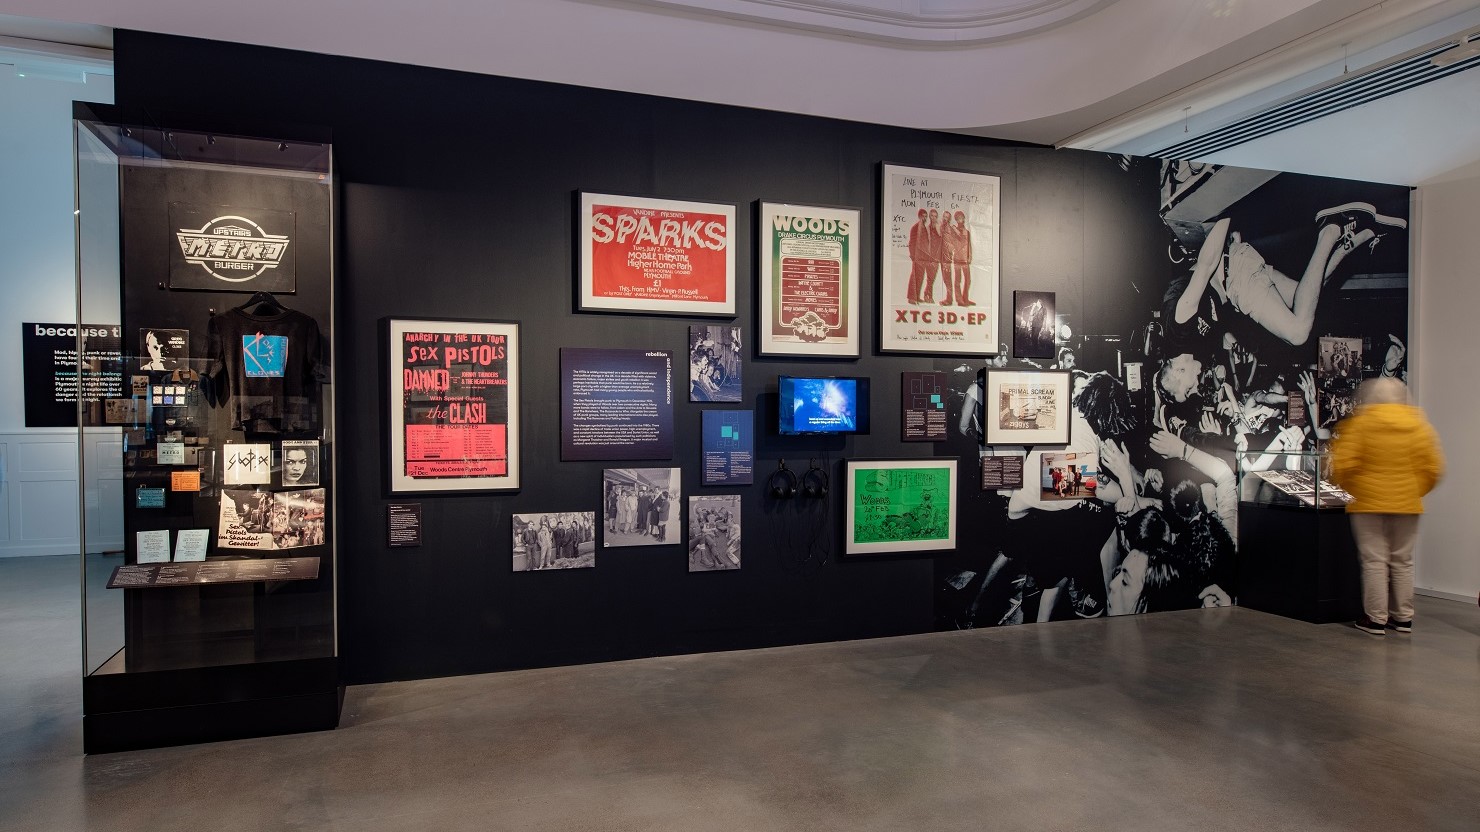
(1299,562)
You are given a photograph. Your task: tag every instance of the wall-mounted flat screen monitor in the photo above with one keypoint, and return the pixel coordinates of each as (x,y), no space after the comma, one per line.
(818,405)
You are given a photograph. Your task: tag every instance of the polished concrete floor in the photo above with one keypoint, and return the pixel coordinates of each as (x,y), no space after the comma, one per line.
(1215,720)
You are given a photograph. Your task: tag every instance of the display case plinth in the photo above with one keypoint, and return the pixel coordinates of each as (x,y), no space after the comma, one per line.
(129,711)
(1298,562)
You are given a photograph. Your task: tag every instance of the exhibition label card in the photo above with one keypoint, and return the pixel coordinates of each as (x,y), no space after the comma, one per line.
(616,404)
(190,545)
(153,547)
(50,373)
(403,525)
(729,447)
(1002,472)
(1296,413)
(248,464)
(185,480)
(149,498)
(171,453)
(923,407)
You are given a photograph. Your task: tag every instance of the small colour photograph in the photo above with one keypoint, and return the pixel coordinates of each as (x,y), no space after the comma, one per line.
(1069,475)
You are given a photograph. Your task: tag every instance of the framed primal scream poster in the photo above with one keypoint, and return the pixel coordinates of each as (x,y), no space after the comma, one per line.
(655,256)
(454,405)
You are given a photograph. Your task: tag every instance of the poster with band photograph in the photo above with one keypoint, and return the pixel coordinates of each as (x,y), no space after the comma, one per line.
(938,267)
(808,280)
(454,405)
(655,256)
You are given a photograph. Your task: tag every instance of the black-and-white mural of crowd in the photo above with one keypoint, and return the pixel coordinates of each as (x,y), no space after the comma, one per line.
(1230,315)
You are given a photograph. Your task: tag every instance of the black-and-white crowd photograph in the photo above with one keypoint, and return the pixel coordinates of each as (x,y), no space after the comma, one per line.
(714,532)
(1198,320)
(714,363)
(641,507)
(297,518)
(554,540)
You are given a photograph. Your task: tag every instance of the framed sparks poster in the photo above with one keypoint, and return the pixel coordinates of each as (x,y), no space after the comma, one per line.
(454,405)
(1027,407)
(938,264)
(900,505)
(655,256)
(808,279)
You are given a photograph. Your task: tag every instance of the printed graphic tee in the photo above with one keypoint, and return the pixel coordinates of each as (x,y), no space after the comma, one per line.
(267,369)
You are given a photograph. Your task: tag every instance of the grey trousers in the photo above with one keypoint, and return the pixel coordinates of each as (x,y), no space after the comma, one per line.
(1385,545)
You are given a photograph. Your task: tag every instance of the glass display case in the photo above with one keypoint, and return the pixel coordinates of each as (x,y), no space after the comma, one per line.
(1296,480)
(205,260)
(1297,557)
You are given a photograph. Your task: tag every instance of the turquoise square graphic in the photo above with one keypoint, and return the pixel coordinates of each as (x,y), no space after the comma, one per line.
(264,356)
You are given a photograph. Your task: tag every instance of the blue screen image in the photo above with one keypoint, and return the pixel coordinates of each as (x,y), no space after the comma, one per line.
(819,405)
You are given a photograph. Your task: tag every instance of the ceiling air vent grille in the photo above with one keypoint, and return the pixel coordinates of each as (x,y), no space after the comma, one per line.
(1394,78)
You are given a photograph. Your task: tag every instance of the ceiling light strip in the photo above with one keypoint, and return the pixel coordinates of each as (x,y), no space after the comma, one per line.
(1395,78)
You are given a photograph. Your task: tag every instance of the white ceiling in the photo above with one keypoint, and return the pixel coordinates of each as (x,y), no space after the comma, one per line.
(1115,75)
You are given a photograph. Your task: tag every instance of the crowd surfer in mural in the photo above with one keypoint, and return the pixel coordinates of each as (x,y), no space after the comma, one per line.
(1255,300)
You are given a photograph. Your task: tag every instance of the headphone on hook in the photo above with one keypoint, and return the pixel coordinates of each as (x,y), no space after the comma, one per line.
(783,482)
(815,481)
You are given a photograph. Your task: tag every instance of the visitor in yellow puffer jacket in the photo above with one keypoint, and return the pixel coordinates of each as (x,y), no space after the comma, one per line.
(1386,455)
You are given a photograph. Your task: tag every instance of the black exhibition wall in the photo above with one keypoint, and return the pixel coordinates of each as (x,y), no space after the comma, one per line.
(456,199)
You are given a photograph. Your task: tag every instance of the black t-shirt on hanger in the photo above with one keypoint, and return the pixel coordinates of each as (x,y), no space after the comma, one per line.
(267,369)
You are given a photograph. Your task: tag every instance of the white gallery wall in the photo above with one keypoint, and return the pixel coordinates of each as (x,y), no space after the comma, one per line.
(1448,559)
(38,466)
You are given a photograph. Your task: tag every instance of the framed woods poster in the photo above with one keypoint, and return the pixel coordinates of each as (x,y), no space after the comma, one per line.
(938,264)
(808,279)
(454,405)
(1027,407)
(900,505)
(655,256)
